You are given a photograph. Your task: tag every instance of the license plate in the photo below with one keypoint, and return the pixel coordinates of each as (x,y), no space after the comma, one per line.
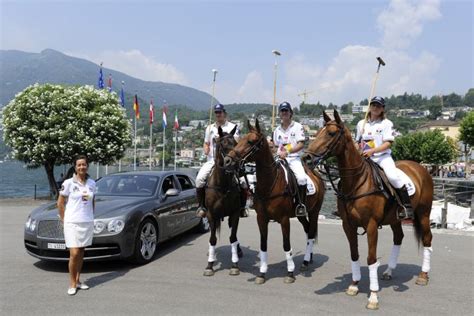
(56,246)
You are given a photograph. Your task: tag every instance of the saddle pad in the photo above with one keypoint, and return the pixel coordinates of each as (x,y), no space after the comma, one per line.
(310,187)
(408,182)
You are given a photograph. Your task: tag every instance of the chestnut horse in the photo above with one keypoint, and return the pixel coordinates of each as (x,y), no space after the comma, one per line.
(361,204)
(223,199)
(272,200)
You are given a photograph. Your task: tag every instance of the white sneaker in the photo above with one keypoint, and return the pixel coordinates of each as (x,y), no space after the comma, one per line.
(72,291)
(82,286)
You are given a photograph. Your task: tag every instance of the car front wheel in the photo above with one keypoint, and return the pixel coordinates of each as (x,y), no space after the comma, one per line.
(146,242)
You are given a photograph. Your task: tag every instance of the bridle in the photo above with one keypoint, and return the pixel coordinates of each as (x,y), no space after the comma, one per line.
(241,159)
(322,157)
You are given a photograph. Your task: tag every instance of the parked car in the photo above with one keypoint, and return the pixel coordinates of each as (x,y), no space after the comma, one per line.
(135,211)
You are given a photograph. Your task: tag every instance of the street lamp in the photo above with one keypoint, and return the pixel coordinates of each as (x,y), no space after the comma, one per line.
(276,54)
(214,71)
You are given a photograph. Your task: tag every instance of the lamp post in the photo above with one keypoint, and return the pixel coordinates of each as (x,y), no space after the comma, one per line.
(276,54)
(214,71)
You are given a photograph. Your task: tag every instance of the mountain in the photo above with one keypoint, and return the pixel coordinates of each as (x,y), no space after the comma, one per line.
(20,69)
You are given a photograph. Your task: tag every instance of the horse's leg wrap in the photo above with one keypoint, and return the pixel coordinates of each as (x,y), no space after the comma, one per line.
(392,262)
(374,281)
(235,256)
(426,259)
(289,260)
(309,249)
(355,265)
(212,253)
(263,261)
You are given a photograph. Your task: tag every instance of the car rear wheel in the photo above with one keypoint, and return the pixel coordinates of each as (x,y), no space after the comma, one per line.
(146,242)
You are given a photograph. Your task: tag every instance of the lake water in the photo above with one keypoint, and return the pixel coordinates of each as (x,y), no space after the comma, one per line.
(18,181)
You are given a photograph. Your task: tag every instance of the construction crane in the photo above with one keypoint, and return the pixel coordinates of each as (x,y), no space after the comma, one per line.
(304,94)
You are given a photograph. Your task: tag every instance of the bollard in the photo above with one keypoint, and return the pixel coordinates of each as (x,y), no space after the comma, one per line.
(444,210)
(35,193)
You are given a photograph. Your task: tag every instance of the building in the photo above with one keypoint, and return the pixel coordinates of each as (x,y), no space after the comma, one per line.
(359,108)
(448,128)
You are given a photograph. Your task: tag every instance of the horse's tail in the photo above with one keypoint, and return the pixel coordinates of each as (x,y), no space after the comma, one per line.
(217,225)
(418,228)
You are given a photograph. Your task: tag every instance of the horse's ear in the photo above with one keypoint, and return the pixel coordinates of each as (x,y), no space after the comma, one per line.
(250,127)
(219,130)
(326,117)
(232,132)
(257,125)
(337,117)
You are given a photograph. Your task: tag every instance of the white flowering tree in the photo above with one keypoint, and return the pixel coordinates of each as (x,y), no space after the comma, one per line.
(48,125)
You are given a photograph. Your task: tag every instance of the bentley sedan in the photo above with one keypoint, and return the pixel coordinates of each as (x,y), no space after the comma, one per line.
(135,211)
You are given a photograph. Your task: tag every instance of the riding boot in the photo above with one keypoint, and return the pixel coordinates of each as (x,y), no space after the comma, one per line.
(243,203)
(301,207)
(407,211)
(201,196)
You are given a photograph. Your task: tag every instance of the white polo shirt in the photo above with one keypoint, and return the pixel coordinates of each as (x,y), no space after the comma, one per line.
(375,134)
(212,134)
(289,137)
(79,207)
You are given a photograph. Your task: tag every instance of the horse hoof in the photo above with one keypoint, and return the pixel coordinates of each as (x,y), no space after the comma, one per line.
(352,290)
(234,271)
(259,280)
(289,279)
(386,277)
(304,267)
(422,281)
(372,305)
(208,272)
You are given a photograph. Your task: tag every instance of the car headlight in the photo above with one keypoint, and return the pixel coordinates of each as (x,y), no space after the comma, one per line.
(98,227)
(33,225)
(30,224)
(116,226)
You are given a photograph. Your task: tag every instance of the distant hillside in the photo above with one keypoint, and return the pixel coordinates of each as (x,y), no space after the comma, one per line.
(20,69)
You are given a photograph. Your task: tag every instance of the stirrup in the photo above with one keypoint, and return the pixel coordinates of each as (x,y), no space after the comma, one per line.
(405,213)
(244,212)
(201,212)
(301,210)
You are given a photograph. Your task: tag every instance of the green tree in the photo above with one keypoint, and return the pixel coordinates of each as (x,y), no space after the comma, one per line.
(47,125)
(466,130)
(469,98)
(430,147)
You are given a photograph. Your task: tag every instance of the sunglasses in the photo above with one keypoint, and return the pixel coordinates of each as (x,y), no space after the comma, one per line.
(284,110)
(218,112)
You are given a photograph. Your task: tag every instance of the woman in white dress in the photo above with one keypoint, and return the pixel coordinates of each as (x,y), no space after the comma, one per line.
(76,211)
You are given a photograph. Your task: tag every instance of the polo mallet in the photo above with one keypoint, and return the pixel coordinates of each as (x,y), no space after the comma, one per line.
(372,90)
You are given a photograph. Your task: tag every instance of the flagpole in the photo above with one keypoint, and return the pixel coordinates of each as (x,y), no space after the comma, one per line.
(135,149)
(175,146)
(151,141)
(164,134)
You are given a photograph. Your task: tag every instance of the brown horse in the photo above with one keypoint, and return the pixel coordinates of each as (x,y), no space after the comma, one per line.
(361,204)
(272,200)
(223,199)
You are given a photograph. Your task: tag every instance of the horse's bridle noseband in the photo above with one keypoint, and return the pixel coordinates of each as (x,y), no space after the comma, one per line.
(321,157)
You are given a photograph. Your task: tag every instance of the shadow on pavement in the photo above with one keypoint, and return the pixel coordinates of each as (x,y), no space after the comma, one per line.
(114,269)
(403,275)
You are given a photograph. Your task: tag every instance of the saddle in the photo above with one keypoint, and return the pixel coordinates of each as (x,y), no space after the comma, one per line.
(292,183)
(382,183)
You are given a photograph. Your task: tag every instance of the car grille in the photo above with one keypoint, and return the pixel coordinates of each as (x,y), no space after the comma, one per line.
(52,229)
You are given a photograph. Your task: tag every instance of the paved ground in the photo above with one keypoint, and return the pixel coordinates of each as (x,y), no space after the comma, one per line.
(173,282)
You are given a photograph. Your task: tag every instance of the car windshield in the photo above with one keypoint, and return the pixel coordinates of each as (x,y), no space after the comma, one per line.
(127,185)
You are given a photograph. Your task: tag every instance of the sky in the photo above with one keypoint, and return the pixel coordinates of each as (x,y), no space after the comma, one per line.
(327,47)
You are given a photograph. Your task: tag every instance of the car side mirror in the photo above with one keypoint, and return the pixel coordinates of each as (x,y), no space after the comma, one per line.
(172,192)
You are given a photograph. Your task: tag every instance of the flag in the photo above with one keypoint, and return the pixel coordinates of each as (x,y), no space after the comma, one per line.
(100,83)
(176,123)
(152,113)
(136,107)
(109,83)
(165,108)
(122,97)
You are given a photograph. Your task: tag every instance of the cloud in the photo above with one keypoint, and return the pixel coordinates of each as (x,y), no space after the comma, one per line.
(253,88)
(137,64)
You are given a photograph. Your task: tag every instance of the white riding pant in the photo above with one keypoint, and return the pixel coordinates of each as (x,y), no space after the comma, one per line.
(388,165)
(297,167)
(203,173)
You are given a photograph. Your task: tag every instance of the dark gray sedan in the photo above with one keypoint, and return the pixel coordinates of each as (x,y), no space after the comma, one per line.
(135,211)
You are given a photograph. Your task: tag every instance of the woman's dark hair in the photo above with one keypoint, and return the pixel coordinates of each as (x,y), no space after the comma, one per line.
(80,157)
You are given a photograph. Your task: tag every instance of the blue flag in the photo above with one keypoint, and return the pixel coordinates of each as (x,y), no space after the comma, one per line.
(122,98)
(100,84)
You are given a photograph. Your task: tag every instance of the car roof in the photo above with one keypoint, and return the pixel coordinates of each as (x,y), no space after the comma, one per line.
(149,173)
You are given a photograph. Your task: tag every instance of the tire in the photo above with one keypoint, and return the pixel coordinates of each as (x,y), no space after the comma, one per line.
(145,242)
(203,226)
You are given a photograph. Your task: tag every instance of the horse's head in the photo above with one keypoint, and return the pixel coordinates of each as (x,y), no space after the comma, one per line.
(329,141)
(225,143)
(246,148)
